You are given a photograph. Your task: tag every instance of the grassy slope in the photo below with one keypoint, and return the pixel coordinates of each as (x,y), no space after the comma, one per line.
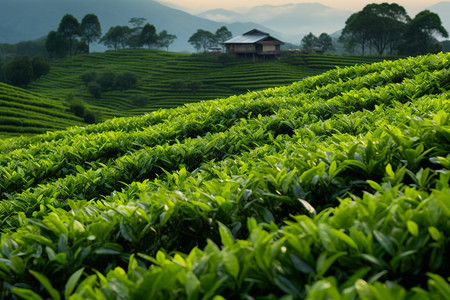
(156,69)
(336,185)
(24,112)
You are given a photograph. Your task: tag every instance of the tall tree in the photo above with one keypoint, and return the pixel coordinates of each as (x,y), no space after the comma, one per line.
(69,28)
(202,39)
(134,39)
(165,39)
(325,42)
(148,35)
(387,25)
(357,31)
(421,32)
(222,35)
(90,29)
(56,45)
(116,37)
(309,42)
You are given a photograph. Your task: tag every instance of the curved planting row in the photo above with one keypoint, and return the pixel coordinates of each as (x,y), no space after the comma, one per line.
(334,187)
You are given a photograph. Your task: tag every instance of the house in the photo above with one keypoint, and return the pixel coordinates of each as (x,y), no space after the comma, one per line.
(255,44)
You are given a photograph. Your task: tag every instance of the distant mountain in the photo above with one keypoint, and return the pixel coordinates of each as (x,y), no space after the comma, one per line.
(292,20)
(443,10)
(30,19)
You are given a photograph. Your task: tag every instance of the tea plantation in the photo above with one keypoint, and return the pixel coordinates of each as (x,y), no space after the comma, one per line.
(333,187)
(156,70)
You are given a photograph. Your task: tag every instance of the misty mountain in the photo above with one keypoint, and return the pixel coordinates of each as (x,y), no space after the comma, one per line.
(292,20)
(443,10)
(23,20)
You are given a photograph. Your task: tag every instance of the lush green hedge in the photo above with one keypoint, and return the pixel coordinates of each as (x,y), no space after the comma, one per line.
(335,187)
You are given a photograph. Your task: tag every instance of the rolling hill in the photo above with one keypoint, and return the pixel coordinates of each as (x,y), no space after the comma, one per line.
(336,186)
(157,69)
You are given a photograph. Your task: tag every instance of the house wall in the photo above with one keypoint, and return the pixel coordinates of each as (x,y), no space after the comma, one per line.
(244,48)
(267,48)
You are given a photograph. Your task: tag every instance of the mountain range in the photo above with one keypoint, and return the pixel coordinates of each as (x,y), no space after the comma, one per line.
(293,21)
(23,20)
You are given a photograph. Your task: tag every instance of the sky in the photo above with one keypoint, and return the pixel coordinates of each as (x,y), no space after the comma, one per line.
(197,6)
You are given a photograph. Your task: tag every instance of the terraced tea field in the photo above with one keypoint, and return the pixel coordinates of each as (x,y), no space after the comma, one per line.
(157,69)
(333,187)
(23,112)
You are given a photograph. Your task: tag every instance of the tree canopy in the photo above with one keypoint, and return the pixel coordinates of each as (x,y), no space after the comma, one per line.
(90,29)
(202,39)
(387,28)
(116,37)
(69,28)
(148,35)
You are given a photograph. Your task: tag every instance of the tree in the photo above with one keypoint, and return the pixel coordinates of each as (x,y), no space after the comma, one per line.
(387,25)
(309,42)
(148,35)
(134,39)
(420,34)
(165,39)
(69,28)
(325,42)
(90,29)
(357,30)
(19,70)
(222,35)
(202,39)
(56,45)
(116,37)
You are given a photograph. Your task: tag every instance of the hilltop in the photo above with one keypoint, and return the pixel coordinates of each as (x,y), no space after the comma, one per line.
(335,186)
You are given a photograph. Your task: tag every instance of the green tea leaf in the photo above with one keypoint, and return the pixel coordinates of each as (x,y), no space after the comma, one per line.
(225,235)
(47,284)
(26,293)
(72,282)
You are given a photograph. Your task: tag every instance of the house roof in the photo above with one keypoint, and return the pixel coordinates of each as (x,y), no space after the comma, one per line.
(246,39)
(251,37)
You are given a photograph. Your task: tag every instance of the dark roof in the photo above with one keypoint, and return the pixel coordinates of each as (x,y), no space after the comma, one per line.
(251,37)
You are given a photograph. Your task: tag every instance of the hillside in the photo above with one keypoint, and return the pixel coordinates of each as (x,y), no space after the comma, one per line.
(334,187)
(23,112)
(157,69)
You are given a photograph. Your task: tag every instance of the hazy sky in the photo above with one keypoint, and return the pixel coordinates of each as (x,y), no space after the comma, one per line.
(197,6)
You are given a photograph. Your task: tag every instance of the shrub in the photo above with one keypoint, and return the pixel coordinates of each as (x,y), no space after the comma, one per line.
(177,85)
(194,86)
(95,89)
(40,66)
(75,105)
(107,80)
(125,80)
(140,100)
(88,77)
(90,116)
(19,70)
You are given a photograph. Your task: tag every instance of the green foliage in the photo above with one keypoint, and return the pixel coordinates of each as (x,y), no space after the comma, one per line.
(40,66)
(387,28)
(140,100)
(90,29)
(19,70)
(95,89)
(336,186)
